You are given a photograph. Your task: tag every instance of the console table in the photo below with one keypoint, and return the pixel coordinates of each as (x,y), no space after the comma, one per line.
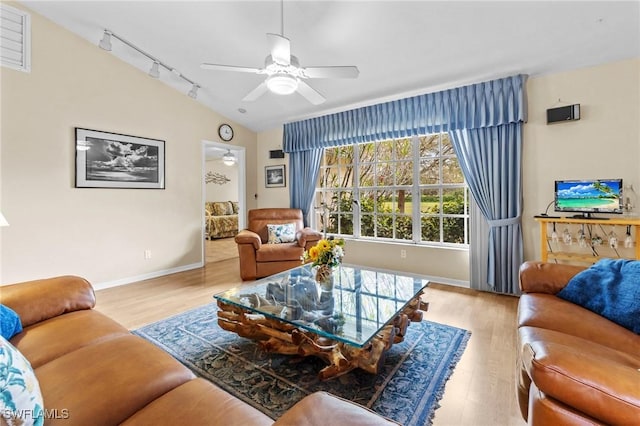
(572,253)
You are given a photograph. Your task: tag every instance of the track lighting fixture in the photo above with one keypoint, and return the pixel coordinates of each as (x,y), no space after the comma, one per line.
(154,72)
(229,159)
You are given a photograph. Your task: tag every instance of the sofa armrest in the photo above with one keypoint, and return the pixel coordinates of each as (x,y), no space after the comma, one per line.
(39,300)
(307,236)
(604,387)
(550,278)
(322,408)
(248,237)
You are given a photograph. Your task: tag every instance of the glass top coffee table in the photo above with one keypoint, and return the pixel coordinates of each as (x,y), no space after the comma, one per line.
(352,325)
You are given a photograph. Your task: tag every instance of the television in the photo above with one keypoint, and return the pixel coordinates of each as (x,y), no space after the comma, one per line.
(589,196)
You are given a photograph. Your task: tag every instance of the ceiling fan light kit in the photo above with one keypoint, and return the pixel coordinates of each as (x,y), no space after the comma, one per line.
(282,84)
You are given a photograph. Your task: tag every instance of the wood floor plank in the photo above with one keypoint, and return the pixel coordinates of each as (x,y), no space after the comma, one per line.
(481,390)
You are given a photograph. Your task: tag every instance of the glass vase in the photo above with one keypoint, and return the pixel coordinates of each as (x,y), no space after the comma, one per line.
(324,277)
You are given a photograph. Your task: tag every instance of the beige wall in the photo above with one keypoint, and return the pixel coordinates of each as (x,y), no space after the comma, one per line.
(604,143)
(271,197)
(100,234)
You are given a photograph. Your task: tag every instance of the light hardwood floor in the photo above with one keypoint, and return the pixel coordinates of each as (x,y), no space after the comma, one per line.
(481,390)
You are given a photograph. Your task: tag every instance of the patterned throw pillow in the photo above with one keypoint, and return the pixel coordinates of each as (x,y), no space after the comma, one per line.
(235,206)
(220,208)
(20,397)
(283,233)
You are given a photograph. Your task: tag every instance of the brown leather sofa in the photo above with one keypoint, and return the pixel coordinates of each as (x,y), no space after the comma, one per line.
(92,370)
(574,367)
(259,259)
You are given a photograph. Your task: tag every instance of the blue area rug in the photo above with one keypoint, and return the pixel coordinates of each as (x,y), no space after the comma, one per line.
(407,390)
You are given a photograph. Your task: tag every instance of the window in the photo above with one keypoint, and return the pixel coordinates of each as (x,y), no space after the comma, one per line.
(404,190)
(15,43)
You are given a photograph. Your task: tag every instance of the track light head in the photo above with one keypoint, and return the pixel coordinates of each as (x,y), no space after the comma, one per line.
(155,70)
(105,43)
(193,93)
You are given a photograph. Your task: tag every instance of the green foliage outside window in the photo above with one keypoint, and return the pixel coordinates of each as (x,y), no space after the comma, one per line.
(382,176)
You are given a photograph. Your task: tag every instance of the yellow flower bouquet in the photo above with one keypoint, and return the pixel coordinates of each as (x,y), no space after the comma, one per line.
(327,252)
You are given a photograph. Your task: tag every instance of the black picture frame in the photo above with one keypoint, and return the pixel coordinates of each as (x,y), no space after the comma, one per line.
(114,160)
(275,176)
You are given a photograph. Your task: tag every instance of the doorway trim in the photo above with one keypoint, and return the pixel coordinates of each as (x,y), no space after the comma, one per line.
(240,153)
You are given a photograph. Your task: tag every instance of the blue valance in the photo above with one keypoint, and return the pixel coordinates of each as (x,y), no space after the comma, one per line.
(487,104)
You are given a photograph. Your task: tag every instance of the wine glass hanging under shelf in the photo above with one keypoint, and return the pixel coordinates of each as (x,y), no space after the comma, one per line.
(600,240)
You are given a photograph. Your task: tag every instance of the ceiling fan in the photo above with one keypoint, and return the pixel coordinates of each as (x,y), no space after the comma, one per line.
(284,73)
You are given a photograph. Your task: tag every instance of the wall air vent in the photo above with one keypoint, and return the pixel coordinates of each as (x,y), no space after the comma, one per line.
(15,38)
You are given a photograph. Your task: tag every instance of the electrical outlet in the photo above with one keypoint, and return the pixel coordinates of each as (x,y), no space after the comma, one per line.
(403,254)
(147,254)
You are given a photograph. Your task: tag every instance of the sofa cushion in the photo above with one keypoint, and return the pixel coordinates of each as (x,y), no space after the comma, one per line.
(279,253)
(20,396)
(202,403)
(107,382)
(10,324)
(609,288)
(235,206)
(42,342)
(221,208)
(322,408)
(281,233)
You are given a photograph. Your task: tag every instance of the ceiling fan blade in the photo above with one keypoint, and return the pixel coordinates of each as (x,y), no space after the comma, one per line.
(218,67)
(280,48)
(256,93)
(332,72)
(310,93)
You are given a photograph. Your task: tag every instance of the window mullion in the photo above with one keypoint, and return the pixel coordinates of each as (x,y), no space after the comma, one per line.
(415,191)
(356,191)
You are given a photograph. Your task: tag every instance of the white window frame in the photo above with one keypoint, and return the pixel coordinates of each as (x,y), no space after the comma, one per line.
(416,188)
(15,36)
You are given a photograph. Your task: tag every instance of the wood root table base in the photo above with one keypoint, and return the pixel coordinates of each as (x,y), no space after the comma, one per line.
(283,338)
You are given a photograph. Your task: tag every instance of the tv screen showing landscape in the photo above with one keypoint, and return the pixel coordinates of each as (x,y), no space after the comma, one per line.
(603,196)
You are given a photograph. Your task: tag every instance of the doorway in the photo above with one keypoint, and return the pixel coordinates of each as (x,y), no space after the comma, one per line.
(223,195)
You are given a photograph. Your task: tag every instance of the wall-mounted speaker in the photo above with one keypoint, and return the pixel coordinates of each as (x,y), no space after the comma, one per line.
(562,114)
(276,153)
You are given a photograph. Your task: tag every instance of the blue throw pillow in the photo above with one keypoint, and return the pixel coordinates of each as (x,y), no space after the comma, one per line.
(610,288)
(10,324)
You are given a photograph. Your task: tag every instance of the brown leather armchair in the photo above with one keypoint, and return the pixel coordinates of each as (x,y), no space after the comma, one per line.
(259,259)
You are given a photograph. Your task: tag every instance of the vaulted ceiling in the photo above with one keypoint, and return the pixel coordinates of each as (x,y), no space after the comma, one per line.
(401,48)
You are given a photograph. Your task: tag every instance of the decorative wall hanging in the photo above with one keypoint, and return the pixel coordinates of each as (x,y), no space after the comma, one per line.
(274,176)
(217,178)
(111,160)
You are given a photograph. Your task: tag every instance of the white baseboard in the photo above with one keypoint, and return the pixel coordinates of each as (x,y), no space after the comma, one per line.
(155,274)
(448,281)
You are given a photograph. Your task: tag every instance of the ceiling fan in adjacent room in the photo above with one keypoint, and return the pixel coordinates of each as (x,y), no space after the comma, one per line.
(284,73)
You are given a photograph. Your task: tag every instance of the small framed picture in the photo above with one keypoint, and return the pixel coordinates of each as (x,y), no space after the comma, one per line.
(274,176)
(112,160)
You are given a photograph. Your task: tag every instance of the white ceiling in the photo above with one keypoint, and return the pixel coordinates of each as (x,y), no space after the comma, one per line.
(402,48)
